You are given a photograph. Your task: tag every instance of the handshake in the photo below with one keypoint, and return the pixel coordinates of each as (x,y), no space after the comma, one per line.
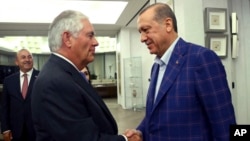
(133,135)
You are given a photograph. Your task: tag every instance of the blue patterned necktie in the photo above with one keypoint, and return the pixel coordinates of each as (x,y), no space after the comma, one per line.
(151,90)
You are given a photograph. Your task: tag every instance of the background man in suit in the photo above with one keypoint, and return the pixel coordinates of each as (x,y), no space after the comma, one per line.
(65,106)
(16,116)
(188,97)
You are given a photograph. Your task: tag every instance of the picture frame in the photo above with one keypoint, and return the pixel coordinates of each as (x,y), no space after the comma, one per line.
(235,46)
(234,23)
(215,19)
(218,43)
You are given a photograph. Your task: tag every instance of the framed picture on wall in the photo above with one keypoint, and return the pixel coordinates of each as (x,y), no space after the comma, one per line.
(235,46)
(234,23)
(217,43)
(215,20)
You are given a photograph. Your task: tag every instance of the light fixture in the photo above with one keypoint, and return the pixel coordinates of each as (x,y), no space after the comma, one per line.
(44,11)
(39,44)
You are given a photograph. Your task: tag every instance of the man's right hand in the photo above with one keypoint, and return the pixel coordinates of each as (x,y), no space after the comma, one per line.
(133,135)
(7,136)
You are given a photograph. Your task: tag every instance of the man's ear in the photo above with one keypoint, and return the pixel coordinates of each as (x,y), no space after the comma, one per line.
(169,24)
(66,39)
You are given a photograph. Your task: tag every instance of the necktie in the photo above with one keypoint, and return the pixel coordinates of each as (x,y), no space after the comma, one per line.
(83,75)
(25,85)
(151,90)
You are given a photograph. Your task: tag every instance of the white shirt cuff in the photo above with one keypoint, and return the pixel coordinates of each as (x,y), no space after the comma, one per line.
(125,137)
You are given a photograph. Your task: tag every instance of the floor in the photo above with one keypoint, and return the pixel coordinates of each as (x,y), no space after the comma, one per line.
(126,119)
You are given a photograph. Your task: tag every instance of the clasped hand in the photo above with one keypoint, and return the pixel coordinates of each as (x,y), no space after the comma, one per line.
(133,135)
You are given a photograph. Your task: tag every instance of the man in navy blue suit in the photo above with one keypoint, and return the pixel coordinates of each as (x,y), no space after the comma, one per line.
(65,107)
(16,120)
(188,97)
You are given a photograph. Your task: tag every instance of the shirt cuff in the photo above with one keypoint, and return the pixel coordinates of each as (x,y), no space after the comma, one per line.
(6,131)
(126,139)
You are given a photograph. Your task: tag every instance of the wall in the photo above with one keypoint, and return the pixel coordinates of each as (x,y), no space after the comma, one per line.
(241,65)
(7,58)
(237,69)
(227,62)
(122,52)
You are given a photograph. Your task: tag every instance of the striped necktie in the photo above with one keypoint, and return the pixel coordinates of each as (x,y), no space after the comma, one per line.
(25,85)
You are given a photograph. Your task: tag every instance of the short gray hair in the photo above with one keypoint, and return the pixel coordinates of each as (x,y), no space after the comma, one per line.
(162,11)
(69,21)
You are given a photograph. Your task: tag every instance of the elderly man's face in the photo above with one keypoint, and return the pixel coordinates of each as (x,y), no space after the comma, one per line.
(84,45)
(24,60)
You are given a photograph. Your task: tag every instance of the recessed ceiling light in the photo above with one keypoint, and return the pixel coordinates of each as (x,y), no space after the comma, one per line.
(44,11)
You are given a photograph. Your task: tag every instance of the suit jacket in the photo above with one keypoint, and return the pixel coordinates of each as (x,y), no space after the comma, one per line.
(16,111)
(194,100)
(66,107)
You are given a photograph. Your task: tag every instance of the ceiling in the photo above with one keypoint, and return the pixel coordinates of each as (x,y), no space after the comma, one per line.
(126,19)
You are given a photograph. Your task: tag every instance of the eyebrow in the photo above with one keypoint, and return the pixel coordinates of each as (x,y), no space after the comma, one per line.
(90,33)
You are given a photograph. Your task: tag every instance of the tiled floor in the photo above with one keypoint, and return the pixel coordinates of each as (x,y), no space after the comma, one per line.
(125,118)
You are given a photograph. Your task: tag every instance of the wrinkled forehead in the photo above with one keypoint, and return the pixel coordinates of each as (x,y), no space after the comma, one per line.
(23,53)
(87,26)
(144,21)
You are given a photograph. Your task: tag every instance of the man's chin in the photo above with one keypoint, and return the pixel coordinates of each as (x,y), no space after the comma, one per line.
(151,52)
(91,59)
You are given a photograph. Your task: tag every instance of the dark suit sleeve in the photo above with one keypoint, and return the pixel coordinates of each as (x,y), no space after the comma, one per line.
(67,113)
(214,94)
(5,109)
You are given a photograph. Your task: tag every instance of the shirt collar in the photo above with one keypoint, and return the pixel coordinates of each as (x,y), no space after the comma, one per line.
(166,56)
(28,73)
(64,58)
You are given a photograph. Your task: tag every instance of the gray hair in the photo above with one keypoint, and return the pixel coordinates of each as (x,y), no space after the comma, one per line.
(69,21)
(23,49)
(162,11)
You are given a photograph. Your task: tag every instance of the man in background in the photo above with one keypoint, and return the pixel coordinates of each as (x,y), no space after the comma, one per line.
(188,97)
(16,119)
(65,107)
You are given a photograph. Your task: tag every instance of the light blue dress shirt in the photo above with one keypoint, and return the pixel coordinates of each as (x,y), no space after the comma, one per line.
(163,61)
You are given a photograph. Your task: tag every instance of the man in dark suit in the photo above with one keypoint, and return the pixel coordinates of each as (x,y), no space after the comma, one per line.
(65,107)
(16,113)
(188,97)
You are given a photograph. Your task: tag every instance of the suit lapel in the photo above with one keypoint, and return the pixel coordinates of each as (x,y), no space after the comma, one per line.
(173,68)
(84,85)
(92,93)
(16,84)
(151,90)
(32,79)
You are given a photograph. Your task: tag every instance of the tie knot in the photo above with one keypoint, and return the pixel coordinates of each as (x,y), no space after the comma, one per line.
(25,75)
